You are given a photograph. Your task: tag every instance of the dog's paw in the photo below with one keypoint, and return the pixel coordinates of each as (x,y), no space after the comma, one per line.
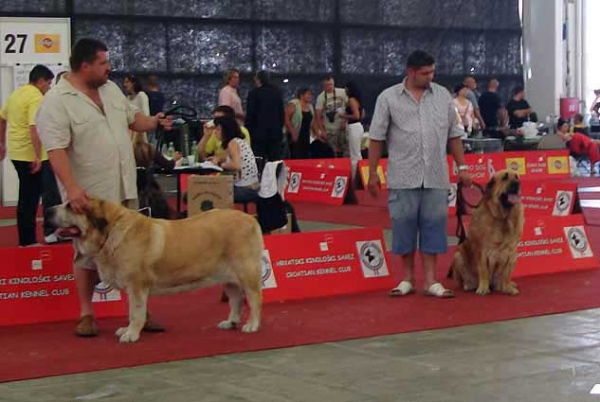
(250,327)
(120,331)
(129,337)
(511,290)
(483,291)
(227,324)
(126,335)
(469,288)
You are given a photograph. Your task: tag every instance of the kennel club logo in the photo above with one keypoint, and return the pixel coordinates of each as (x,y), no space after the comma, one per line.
(268,276)
(452,195)
(578,242)
(295,179)
(372,259)
(562,206)
(105,293)
(339,186)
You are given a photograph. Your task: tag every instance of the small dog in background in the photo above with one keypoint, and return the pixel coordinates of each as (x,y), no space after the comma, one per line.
(487,258)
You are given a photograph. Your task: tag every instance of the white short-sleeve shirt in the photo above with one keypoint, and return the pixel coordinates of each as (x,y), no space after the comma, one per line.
(97,141)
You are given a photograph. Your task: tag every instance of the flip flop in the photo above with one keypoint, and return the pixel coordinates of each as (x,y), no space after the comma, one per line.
(438,290)
(404,288)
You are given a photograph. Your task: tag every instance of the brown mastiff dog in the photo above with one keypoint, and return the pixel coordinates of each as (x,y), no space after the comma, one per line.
(486,260)
(142,256)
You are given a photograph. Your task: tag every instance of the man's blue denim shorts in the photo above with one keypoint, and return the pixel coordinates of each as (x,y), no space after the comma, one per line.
(422,213)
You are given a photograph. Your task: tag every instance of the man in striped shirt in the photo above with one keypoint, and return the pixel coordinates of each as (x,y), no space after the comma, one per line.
(417,118)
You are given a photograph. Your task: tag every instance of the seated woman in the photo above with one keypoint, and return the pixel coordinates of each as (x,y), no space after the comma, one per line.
(579,145)
(238,159)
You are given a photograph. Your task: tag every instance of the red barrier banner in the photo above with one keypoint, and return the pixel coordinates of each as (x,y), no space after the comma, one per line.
(539,198)
(317,183)
(553,244)
(317,264)
(548,198)
(330,163)
(37,285)
(531,165)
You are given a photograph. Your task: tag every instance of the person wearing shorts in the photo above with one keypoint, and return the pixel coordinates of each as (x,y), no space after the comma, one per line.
(418,121)
(330,103)
(84,124)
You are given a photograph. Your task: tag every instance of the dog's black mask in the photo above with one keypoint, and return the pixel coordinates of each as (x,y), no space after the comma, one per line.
(511,196)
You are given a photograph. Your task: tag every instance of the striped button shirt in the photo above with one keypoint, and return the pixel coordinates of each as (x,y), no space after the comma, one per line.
(417,134)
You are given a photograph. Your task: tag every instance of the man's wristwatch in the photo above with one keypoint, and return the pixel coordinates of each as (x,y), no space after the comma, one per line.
(463,168)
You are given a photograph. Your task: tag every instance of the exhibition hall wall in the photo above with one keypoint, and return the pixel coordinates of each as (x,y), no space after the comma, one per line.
(190,43)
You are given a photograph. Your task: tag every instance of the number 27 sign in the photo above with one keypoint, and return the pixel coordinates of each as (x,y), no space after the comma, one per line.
(34,40)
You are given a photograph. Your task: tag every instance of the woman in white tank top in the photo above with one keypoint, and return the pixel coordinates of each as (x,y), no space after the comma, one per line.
(239,159)
(464,107)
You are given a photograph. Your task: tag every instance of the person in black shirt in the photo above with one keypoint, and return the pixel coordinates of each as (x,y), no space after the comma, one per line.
(518,109)
(265,117)
(156,98)
(490,106)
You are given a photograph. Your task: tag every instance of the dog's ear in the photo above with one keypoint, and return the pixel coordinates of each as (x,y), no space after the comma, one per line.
(490,187)
(98,223)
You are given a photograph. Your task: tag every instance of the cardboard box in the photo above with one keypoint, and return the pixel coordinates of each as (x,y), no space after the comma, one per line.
(209,192)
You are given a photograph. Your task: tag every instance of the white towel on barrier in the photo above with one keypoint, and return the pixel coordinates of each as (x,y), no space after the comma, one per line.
(271,183)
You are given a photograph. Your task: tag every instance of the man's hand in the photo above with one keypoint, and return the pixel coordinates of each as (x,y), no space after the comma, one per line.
(374,184)
(165,122)
(78,199)
(465,178)
(36,166)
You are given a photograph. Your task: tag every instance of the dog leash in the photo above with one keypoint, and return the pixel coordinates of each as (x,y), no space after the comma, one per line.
(461,210)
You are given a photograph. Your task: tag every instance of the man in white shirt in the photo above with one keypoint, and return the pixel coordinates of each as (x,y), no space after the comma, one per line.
(418,121)
(84,124)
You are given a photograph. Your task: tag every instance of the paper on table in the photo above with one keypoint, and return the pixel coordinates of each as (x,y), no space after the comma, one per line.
(202,165)
(210,165)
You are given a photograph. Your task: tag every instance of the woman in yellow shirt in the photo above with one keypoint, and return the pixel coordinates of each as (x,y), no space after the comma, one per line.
(210,145)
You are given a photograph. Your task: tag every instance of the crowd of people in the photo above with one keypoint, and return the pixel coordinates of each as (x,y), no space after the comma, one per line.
(487,113)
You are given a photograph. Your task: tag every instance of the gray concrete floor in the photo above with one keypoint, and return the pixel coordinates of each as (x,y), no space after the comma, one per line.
(546,359)
(551,358)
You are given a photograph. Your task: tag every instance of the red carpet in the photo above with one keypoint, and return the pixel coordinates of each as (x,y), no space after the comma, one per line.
(52,349)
